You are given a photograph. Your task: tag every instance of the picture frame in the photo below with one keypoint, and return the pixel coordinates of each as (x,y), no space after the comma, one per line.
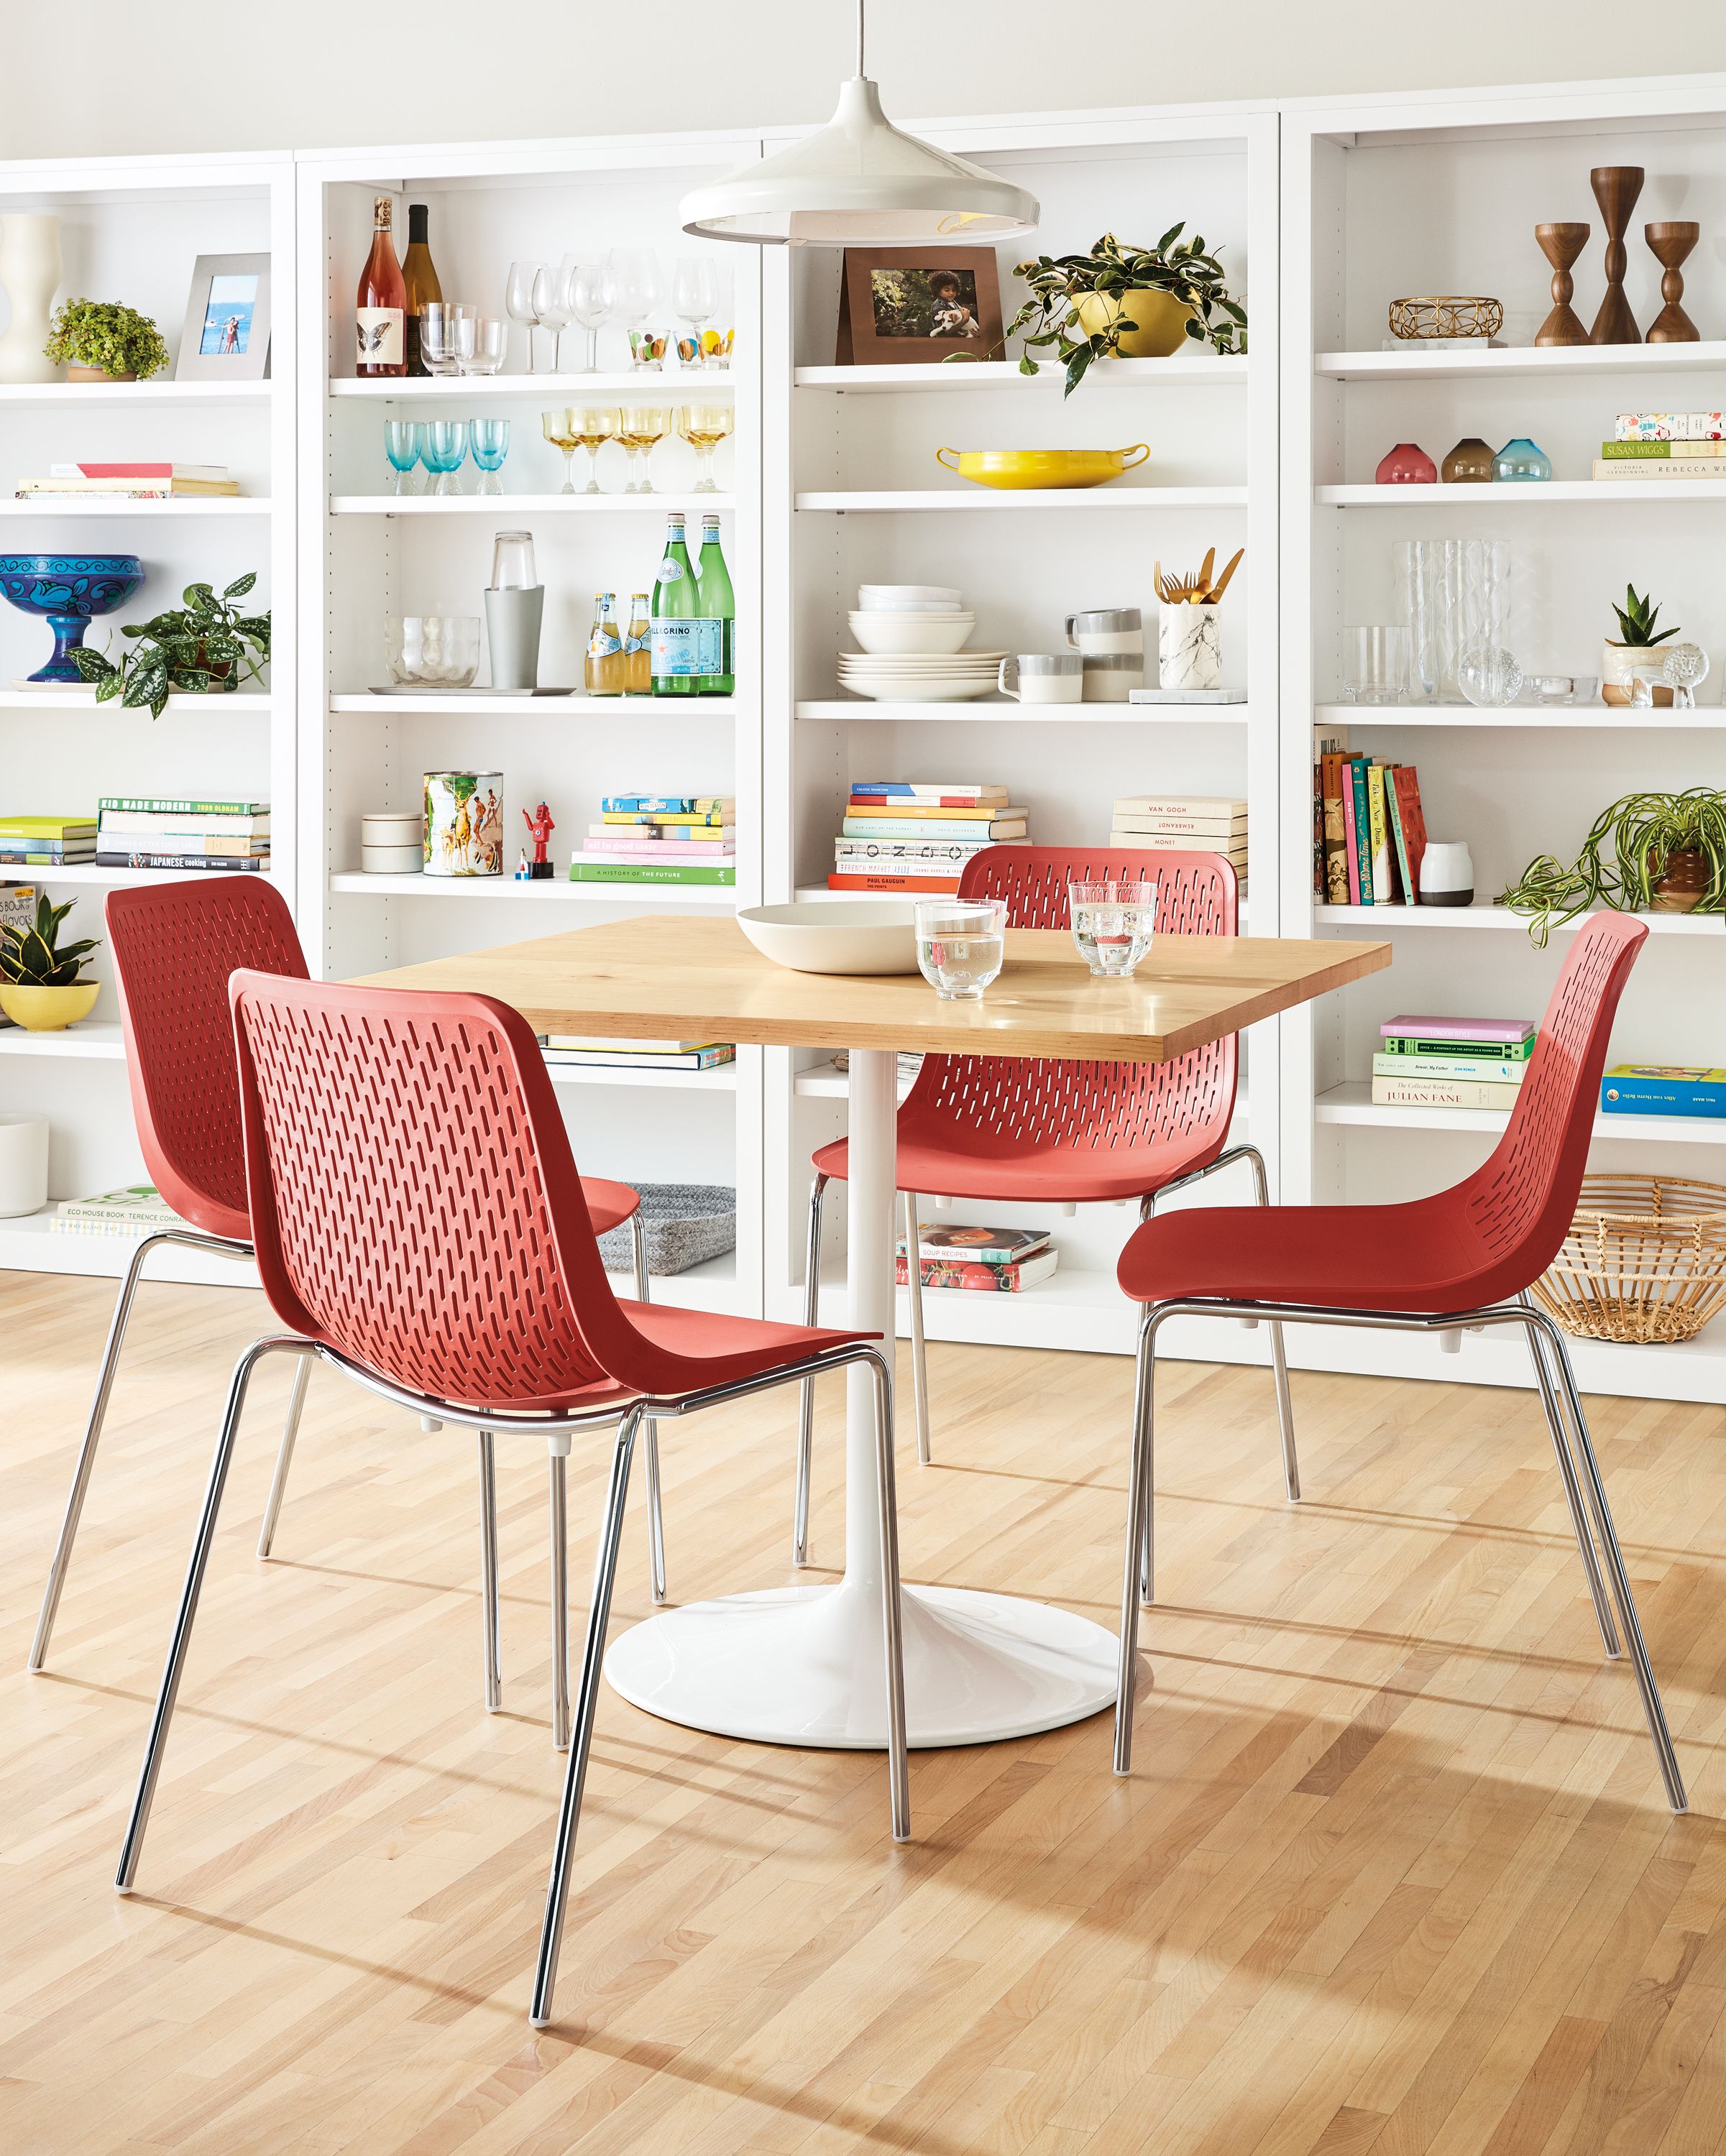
(907,306)
(226,336)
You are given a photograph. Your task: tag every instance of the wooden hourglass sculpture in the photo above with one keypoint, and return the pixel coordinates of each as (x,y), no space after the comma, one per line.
(1669,244)
(1561,245)
(1615,188)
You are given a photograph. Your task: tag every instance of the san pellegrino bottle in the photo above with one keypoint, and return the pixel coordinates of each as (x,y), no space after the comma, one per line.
(683,648)
(718,605)
(638,649)
(380,304)
(419,275)
(605,664)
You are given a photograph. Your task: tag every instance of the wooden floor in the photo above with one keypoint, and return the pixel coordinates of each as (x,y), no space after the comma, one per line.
(1393,1873)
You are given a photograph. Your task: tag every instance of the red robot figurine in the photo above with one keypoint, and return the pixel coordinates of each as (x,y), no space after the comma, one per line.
(540,824)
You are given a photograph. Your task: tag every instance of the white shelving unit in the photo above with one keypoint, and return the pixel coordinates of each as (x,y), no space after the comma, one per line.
(131,229)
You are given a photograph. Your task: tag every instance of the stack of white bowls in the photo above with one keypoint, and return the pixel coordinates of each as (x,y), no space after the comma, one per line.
(912,638)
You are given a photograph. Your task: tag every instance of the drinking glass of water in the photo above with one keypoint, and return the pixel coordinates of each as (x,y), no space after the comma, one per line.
(960,945)
(1112,924)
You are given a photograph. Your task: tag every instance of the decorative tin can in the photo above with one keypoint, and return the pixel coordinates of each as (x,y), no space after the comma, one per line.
(464,822)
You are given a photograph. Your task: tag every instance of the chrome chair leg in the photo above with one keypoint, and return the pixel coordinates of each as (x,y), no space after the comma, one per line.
(488,1573)
(1573,1487)
(181,1638)
(806,1411)
(656,1512)
(919,1359)
(898,1763)
(587,1700)
(1140,1501)
(285,1456)
(560,1595)
(1279,1360)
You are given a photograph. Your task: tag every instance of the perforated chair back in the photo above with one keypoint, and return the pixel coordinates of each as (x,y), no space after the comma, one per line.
(174,945)
(978,1103)
(1520,1204)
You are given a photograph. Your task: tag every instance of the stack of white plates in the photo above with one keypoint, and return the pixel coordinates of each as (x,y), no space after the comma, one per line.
(909,678)
(906,598)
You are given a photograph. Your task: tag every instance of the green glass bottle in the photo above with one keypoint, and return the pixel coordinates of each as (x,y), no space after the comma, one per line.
(718,604)
(683,648)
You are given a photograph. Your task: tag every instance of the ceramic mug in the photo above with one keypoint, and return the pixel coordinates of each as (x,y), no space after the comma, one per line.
(1112,642)
(1043,677)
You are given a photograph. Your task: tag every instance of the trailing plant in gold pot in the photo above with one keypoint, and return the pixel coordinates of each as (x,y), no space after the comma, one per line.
(1133,302)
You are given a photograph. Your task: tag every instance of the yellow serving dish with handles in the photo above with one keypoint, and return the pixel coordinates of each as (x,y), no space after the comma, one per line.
(1019,469)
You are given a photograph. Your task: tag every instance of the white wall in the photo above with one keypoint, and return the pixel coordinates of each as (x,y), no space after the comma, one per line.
(114,77)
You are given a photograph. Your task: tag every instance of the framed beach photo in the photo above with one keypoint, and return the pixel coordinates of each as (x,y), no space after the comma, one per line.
(226,337)
(908,305)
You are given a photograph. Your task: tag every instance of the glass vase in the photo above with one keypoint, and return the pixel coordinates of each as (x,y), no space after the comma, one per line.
(1521,459)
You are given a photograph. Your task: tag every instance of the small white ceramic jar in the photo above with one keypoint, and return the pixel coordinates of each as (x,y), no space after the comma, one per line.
(23,1165)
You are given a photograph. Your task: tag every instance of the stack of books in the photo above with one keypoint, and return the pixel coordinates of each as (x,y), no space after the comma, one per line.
(128,482)
(661,838)
(1665,446)
(47,842)
(143,831)
(1001,1260)
(1183,823)
(1664,1089)
(598,1053)
(1451,1062)
(1370,833)
(137,1210)
(903,837)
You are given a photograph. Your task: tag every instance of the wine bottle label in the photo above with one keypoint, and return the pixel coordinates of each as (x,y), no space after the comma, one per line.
(670,572)
(681,648)
(379,339)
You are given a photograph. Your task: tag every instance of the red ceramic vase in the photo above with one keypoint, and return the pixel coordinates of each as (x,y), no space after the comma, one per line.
(1408,464)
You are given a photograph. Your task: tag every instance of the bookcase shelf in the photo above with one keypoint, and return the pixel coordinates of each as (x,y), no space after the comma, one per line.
(66,397)
(478,704)
(1433,363)
(1091,501)
(1352,1103)
(1494,498)
(704,386)
(213,505)
(1220,371)
(1484,913)
(357,884)
(1556,718)
(495,505)
(84,872)
(241,705)
(1004,711)
(95,1041)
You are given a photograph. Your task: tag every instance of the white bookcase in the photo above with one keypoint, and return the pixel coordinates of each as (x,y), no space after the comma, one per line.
(1323,212)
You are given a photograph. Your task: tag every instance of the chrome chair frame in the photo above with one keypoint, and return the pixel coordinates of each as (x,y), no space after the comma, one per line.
(1585,1492)
(628,1421)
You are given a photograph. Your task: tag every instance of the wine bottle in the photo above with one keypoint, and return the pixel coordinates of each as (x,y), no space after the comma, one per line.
(638,649)
(381,305)
(604,671)
(420,276)
(683,648)
(720,607)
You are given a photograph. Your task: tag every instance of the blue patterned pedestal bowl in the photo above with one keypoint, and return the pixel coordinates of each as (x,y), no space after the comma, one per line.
(67,590)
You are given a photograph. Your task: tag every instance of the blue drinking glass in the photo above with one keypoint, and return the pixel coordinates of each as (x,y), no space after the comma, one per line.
(444,449)
(402,440)
(490,440)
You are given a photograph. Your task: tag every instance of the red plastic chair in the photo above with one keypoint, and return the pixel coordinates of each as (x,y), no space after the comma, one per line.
(1039,1131)
(174,945)
(419,1224)
(1464,1258)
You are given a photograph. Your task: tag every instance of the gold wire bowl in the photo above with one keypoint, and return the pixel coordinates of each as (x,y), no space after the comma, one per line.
(1645,1259)
(1446,316)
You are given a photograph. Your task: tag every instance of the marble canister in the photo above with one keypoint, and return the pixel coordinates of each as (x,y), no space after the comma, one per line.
(1189,648)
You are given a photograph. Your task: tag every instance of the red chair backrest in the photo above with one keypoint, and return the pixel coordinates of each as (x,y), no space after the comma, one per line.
(415,1202)
(1090,1107)
(1522,1201)
(174,945)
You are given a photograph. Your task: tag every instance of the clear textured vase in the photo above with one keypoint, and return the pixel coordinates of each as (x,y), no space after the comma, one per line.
(1454,597)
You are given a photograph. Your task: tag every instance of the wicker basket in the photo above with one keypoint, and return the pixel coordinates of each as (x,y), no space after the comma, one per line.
(1446,315)
(1645,1259)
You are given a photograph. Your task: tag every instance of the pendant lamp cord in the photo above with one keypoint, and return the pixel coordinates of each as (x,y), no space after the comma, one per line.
(859,39)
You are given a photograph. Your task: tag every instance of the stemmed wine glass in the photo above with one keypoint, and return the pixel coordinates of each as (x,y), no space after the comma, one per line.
(445,449)
(592,294)
(591,428)
(640,426)
(551,306)
(635,273)
(694,294)
(518,299)
(489,443)
(704,427)
(401,445)
(557,427)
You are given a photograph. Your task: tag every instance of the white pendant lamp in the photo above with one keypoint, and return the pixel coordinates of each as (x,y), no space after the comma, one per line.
(859,182)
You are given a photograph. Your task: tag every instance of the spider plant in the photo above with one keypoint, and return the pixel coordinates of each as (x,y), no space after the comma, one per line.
(1624,857)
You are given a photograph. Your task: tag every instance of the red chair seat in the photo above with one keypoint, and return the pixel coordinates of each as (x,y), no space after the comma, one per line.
(609,1204)
(1015,1171)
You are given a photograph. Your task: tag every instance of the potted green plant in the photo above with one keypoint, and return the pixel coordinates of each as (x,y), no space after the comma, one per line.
(42,984)
(207,647)
(1648,853)
(1136,302)
(99,340)
(1625,656)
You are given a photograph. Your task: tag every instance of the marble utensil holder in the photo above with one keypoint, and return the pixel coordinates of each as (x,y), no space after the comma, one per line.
(1189,648)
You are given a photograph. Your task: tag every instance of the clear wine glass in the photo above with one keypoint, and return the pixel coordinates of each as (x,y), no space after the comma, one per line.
(489,442)
(591,428)
(445,449)
(550,304)
(592,294)
(401,445)
(558,429)
(518,299)
(635,275)
(694,294)
(640,426)
(704,427)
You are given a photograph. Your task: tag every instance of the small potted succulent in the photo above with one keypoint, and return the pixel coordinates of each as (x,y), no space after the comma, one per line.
(42,984)
(1627,655)
(205,648)
(1137,302)
(99,340)
(1648,853)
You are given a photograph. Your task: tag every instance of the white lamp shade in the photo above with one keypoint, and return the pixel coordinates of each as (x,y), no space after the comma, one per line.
(859,182)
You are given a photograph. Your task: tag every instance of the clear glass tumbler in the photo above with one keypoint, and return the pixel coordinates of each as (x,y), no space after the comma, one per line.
(961,944)
(1376,666)
(1112,924)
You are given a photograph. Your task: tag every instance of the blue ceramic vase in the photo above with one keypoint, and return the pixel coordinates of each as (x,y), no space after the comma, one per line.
(67,590)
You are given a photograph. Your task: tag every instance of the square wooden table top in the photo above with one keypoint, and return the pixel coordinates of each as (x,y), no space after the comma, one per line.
(694,977)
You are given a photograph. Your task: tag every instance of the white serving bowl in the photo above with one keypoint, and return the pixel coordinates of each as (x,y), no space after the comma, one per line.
(835,936)
(900,598)
(920,634)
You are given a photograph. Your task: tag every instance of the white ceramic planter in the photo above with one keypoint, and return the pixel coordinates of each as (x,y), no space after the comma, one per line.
(1189,648)
(1620,665)
(30,271)
(23,1165)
